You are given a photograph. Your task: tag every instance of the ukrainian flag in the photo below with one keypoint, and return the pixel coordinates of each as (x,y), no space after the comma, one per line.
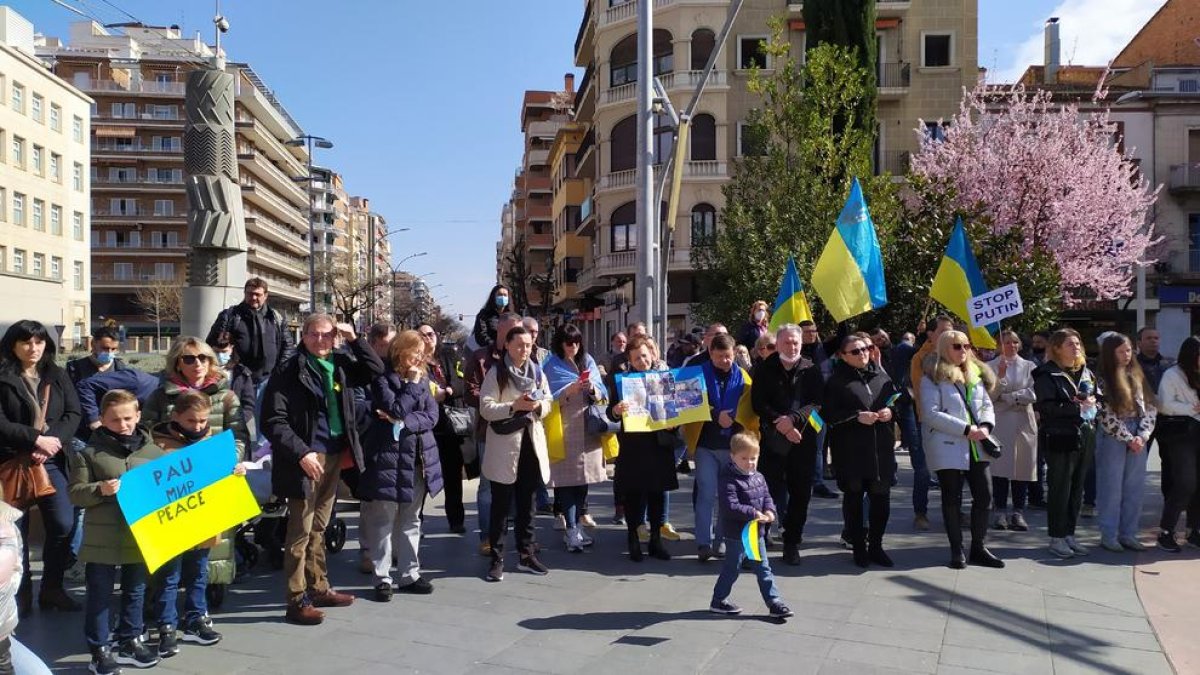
(958,280)
(849,274)
(791,305)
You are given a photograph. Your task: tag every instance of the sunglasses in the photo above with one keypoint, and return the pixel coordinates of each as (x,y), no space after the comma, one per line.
(192,359)
(961,347)
(857,352)
(322,336)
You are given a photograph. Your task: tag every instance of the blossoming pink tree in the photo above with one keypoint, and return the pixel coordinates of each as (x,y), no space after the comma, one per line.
(1053,174)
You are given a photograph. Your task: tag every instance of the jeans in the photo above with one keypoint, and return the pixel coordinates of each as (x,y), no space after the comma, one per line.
(529,478)
(258,403)
(1065,471)
(571,499)
(483,499)
(304,564)
(58,518)
(17,659)
(1120,485)
(910,436)
(100,579)
(389,526)
(1000,489)
(1089,485)
(732,565)
(190,568)
(819,461)
(708,469)
(1180,473)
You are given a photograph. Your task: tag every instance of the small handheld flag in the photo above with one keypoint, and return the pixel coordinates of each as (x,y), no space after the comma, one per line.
(751,540)
(791,305)
(849,274)
(892,399)
(958,279)
(815,421)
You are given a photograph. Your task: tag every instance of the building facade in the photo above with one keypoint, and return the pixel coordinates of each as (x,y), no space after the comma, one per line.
(136,78)
(45,217)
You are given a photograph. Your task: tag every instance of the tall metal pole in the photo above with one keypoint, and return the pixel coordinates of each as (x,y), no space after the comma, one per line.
(371,271)
(647,280)
(312,242)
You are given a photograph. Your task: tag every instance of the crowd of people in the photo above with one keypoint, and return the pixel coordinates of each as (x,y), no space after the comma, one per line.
(399,418)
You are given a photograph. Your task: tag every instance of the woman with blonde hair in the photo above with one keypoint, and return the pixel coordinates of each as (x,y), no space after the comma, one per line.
(1066,406)
(958,418)
(400,466)
(192,365)
(1016,429)
(1126,420)
(756,325)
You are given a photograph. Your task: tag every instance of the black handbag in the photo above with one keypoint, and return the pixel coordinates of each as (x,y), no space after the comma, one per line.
(461,419)
(512,425)
(596,421)
(989,445)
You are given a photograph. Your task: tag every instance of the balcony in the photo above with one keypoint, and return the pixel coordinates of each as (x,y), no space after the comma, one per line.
(539,241)
(135,185)
(144,249)
(159,88)
(1184,178)
(586,36)
(625,10)
(624,263)
(687,80)
(270,174)
(882,7)
(262,225)
(707,169)
(112,281)
(587,217)
(589,281)
(124,150)
(536,184)
(272,204)
(893,79)
(296,267)
(266,142)
(894,162)
(135,215)
(585,164)
(537,157)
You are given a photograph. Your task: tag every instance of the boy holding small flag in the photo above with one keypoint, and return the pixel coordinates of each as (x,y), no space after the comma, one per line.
(745,503)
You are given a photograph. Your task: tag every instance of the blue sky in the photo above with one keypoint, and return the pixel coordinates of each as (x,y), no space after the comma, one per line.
(422,99)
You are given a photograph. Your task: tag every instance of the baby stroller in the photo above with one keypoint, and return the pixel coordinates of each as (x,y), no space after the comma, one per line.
(269,530)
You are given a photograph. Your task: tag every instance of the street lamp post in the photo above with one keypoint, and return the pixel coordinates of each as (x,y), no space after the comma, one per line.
(372,242)
(311,141)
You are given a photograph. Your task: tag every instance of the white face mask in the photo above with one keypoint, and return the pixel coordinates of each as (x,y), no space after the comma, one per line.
(760,314)
(788,362)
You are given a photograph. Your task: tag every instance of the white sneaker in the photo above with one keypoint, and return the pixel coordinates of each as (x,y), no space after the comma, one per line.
(560,522)
(584,538)
(587,521)
(1076,547)
(1060,548)
(574,541)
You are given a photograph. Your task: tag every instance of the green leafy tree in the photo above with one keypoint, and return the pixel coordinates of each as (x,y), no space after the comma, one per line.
(849,24)
(784,199)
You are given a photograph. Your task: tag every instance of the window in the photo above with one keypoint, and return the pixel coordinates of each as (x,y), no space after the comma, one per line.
(166,143)
(164,271)
(703,43)
(77,226)
(624,229)
(123,271)
(18,209)
(1194,242)
(937,50)
(110,239)
(36,155)
(55,117)
(123,207)
(124,110)
(39,265)
(56,267)
(704,138)
(3,258)
(18,98)
(56,220)
(704,225)
(935,131)
(77,274)
(77,129)
(163,112)
(172,240)
(3,148)
(77,177)
(623,58)
(135,240)
(122,174)
(19,261)
(164,207)
(18,152)
(752,140)
(3,205)
(36,107)
(156,239)
(39,207)
(55,168)
(751,53)
(622,145)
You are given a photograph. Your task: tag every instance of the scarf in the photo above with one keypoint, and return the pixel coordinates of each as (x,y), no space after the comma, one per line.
(130,443)
(324,368)
(727,399)
(185,386)
(190,436)
(523,378)
(561,373)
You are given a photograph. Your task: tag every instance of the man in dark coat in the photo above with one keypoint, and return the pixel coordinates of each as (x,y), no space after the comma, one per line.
(103,359)
(787,387)
(309,418)
(259,333)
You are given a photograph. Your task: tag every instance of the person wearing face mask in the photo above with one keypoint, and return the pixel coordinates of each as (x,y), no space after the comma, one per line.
(190,422)
(756,326)
(103,359)
(241,383)
(499,302)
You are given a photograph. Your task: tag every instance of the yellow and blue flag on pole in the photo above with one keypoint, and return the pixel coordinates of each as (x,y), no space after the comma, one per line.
(849,274)
(791,305)
(958,279)
(185,498)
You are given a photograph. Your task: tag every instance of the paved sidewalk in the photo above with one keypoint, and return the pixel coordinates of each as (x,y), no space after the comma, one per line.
(600,613)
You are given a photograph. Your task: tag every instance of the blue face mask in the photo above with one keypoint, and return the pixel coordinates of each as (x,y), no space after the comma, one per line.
(502,301)
(104,358)
(223,358)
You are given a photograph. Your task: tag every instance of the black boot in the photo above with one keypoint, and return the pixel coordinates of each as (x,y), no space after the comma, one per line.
(951,515)
(635,546)
(656,547)
(860,553)
(982,557)
(880,510)
(957,560)
(877,555)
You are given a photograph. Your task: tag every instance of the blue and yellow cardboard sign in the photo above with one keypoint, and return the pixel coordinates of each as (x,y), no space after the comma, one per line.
(663,399)
(185,498)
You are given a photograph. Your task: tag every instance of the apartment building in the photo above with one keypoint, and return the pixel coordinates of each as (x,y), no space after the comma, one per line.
(44,213)
(136,77)
(331,236)
(927,54)
(372,255)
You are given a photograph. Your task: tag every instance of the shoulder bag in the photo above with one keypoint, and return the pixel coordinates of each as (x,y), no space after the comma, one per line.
(22,481)
(990,446)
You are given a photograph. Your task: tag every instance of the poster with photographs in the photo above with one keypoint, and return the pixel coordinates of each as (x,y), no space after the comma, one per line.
(662,399)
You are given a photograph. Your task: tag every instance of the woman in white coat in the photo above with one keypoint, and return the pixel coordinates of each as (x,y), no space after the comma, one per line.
(956,415)
(1016,429)
(514,399)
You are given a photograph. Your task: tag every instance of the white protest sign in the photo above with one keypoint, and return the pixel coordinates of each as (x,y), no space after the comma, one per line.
(995,306)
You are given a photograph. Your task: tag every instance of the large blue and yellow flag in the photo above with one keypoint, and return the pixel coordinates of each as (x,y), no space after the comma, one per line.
(849,274)
(185,498)
(958,280)
(791,305)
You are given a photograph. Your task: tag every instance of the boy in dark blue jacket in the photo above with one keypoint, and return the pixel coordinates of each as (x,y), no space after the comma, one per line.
(744,497)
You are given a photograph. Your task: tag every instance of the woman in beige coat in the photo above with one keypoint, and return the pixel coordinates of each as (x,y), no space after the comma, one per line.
(514,399)
(1016,428)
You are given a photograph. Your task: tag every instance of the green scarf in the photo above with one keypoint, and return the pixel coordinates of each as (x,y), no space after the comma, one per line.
(325,368)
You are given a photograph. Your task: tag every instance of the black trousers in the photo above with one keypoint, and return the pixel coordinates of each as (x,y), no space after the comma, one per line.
(58,519)
(979,479)
(1179,478)
(451,459)
(522,491)
(790,479)
(878,494)
(638,501)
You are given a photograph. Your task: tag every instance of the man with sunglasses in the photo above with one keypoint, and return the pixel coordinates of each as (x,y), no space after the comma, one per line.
(309,418)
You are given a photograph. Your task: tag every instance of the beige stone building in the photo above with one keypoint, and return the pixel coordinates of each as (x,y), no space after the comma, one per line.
(136,77)
(927,54)
(44,187)
(372,255)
